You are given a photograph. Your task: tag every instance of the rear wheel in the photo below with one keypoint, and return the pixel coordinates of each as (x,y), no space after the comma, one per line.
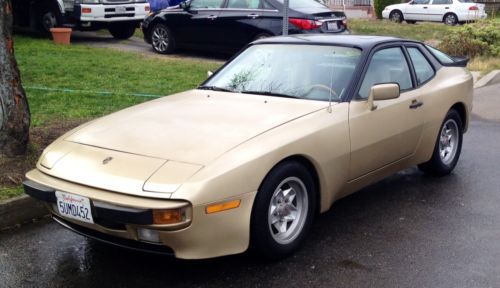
(162,39)
(450,19)
(283,211)
(396,16)
(447,148)
(122,30)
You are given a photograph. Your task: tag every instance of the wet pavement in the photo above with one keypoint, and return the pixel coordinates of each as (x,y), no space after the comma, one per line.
(409,230)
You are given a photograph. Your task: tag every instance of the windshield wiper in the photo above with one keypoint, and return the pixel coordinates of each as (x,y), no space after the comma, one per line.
(215,88)
(269,93)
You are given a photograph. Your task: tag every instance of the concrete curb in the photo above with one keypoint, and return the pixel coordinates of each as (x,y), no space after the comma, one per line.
(491,78)
(24,209)
(20,210)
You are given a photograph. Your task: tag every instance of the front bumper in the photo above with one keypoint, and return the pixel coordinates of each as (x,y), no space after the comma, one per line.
(113,13)
(117,218)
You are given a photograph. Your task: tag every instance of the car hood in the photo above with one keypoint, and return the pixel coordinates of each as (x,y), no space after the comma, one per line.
(194,127)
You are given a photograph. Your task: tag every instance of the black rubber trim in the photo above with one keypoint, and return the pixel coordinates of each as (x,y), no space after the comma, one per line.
(39,192)
(123,214)
(116,241)
(100,210)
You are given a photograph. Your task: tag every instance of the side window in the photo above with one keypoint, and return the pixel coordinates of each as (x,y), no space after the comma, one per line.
(441,2)
(266,5)
(421,2)
(423,68)
(386,66)
(243,4)
(206,3)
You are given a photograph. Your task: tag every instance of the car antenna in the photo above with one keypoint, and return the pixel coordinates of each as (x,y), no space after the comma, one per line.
(331,91)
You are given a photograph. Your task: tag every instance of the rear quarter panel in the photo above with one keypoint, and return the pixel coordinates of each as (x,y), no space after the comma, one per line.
(450,86)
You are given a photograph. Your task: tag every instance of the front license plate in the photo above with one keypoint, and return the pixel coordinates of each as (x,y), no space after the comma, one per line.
(332,25)
(74,206)
(120,10)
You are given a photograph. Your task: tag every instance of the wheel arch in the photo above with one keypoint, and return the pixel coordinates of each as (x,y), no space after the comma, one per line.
(308,164)
(397,10)
(462,111)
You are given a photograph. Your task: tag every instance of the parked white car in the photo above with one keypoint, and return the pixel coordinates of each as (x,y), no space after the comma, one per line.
(450,12)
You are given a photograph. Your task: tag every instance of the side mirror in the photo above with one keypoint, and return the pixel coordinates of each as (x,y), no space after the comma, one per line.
(382,92)
(209,73)
(185,5)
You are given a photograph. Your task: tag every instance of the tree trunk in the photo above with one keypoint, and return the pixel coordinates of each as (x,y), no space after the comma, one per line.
(14,110)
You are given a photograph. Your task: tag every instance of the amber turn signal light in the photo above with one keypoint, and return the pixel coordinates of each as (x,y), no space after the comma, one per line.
(86,10)
(170,216)
(218,207)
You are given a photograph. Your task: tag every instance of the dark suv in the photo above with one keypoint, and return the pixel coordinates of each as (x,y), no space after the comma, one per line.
(228,25)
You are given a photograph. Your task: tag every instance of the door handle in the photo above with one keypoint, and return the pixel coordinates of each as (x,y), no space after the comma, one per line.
(446,7)
(212,17)
(425,7)
(253,16)
(415,104)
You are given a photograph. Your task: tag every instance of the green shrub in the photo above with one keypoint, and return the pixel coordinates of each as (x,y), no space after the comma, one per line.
(481,38)
(379,5)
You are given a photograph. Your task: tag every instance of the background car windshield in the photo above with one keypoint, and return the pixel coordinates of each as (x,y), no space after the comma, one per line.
(299,71)
(303,4)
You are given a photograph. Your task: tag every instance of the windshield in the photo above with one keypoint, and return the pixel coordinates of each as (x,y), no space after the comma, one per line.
(299,71)
(294,4)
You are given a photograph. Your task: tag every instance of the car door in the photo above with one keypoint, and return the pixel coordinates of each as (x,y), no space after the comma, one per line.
(416,10)
(438,8)
(198,24)
(392,131)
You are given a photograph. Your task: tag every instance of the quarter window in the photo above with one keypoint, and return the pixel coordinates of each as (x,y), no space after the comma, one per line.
(206,3)
(386,66)
(423,68)
(243,4)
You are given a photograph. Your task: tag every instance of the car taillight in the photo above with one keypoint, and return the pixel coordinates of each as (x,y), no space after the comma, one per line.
(344,22)
(305,24)
(474,8)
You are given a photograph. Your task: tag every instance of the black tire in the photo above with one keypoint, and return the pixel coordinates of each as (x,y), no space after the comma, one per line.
(411,21)
(162,39)
(266,240)
(396,16)
(450,19)
(122,30)
(48,17)
(437,166)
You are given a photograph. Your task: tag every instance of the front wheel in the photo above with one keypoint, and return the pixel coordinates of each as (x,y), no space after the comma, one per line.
(447,148)
(48,17)
(396,16)
(162,39)
(122,30)
(283,211)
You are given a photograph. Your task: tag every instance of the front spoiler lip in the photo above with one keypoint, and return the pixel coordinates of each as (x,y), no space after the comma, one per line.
(116,241)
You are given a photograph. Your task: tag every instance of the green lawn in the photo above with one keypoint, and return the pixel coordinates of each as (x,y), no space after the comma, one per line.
(98,81)
(422,31)
(66,85)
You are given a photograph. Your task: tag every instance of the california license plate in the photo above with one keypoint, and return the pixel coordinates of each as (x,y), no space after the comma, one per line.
(74,206)
(332,25)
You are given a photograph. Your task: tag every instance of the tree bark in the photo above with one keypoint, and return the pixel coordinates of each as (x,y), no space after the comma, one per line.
(14,109)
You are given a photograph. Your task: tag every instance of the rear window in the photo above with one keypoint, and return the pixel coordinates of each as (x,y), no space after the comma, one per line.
(441,56)
(294,4)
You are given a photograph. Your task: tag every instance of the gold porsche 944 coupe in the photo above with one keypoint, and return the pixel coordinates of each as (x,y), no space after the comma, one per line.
(247,160)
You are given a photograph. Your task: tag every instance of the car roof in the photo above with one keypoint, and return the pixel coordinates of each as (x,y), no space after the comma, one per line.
(364,42)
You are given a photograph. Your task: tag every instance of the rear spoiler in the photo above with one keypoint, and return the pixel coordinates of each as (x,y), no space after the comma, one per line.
(459,61)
